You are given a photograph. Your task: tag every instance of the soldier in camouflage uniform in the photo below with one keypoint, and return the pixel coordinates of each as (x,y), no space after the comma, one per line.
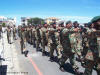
(53,41)
(68,43)
(30,35)
(78,43)
(9,34)
(48,39)
(27,33)
(84,39)
(23,41)
(33,36)
(14,32)
(19,31)
(59,46)
(44,40)
(38,37)
(92,58)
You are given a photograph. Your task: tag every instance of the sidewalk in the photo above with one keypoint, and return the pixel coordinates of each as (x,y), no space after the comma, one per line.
(9,54)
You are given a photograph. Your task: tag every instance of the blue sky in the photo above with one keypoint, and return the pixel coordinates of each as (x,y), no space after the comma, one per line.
(81,10)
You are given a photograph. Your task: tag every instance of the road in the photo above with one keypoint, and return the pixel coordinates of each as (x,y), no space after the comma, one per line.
(34,64)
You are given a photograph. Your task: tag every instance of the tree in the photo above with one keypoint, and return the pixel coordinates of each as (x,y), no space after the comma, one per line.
(3,24)
(35,21)
(30,21)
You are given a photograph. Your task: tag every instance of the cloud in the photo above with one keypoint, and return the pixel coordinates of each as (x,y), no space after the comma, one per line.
(81,19)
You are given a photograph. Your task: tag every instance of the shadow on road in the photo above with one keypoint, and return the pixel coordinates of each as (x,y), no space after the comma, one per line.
(3,70)
(68,68)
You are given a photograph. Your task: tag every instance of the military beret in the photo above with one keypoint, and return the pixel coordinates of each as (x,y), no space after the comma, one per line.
(75,22)
(44,23)
(89,24)
(23,29)
(68,22)
(52,23)
(95,19)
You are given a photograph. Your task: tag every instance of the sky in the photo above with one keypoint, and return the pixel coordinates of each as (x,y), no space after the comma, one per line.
(81,10)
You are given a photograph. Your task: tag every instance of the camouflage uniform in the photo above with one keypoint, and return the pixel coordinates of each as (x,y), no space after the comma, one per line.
(14,33)
(23,42)
(38,38)
(48,39)
(43,39)
(78,49)
(30,35)
(53,41)
(27,33)
(92,53)
(19,31)
(9,34)
(34,37)
(68,48)
(59,46)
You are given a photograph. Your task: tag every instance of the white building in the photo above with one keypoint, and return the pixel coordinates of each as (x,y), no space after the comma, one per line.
(24,20)
(51,19)
(7,21)
(3,20)
(11,21)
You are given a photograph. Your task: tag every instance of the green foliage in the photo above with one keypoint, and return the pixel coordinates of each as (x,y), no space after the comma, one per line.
(35,21)
(3,24)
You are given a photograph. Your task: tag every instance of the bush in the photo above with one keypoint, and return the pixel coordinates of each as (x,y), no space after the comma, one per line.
(3,24)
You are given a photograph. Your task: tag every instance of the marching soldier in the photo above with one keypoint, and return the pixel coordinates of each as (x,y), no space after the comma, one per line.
(78,43)
(30,35)
(59,37)
(27,33)
(44,40)
(68,48)
(31,40)
(38,37)
(53,41)
(19,31)
(92,58)
(23,41)
(14,32)
(48,39)
(84,39)
(9,34)
(33,36)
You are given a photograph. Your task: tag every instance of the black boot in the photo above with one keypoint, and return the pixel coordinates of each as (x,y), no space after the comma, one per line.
(22,52)
(62,68)
(26,53)
(34,46)
(43,54)
(52,59)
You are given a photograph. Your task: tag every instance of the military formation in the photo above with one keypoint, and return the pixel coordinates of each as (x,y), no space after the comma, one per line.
(70,41)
